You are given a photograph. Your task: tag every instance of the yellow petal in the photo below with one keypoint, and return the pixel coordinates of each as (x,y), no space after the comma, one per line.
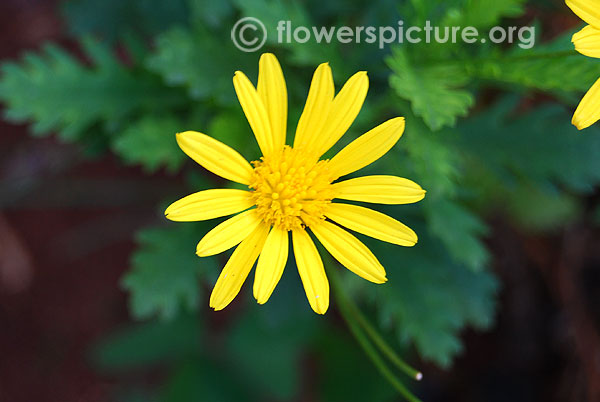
(215,156)
(372,223)
(588,111)
(255,112)
(272,90)
(349,251)
(587,41)
(270,264)
(209,204)
(367,148)
(316,110)
(344,109)
(312,273)
(228,234)
(379,189)
(237,268)
(587,10)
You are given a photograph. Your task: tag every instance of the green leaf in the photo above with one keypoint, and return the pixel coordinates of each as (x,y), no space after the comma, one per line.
(436,165)
(269,358)
(231,127)
(268,342)
(434,91)
(58,93)
(460,229)
(150,141)
(149,344)
(197,61)
(203,380)
(165,271)
(550,150)
(113,19)
(270,12)
(213,13)
(431,157)
(310,53)
(552,66)
(482,13)
(429,300)
(551,156)
(335,346)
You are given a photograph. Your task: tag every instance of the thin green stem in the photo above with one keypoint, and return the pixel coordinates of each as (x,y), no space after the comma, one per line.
(383,346)
(346,311)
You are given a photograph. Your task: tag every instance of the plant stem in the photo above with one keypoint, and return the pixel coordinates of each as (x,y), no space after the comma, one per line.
(350,319)
(385,348)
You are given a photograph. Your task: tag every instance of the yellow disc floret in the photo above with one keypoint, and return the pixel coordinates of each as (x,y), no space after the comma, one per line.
(291,189)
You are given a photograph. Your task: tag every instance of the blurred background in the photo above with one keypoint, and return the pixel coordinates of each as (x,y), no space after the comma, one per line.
(102,299)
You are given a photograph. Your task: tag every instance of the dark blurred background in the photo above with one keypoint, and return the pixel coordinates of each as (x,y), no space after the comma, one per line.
(63,246)
(66,230)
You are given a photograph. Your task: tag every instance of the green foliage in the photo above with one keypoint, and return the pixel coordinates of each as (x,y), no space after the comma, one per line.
(552,66)
(150,141)
(436,83)
(550,149)
(114,19)
(231,127)
(165,272)
(271,12)
(460,229)
(56,92)
(551,156)
(424,299)
(202,380)
(148,344)
(181,60)
(436,165)
(433,91)
(212,13)
(268,344)
(483,13)
(335,346)
(258,355)
(269,355)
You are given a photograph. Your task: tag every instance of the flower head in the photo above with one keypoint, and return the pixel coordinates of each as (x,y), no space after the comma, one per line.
(291,190)
(587,42)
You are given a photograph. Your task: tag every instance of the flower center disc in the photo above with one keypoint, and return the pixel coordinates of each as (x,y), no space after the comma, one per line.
(290,190)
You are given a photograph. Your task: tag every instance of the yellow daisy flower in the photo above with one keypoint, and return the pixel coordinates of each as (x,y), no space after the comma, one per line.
(291,190)
(587,42)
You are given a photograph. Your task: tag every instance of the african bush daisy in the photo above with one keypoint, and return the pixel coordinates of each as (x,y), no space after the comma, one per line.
(587,42)
(291,190)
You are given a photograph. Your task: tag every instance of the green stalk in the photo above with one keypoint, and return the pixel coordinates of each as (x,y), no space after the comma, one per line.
(350,319)
(383,346)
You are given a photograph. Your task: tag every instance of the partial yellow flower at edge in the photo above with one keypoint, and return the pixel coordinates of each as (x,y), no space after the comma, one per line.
(588,111)
(291,191)
(587,42)
(587,10)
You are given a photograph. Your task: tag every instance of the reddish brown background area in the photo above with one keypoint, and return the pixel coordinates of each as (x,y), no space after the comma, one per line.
(66,230)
